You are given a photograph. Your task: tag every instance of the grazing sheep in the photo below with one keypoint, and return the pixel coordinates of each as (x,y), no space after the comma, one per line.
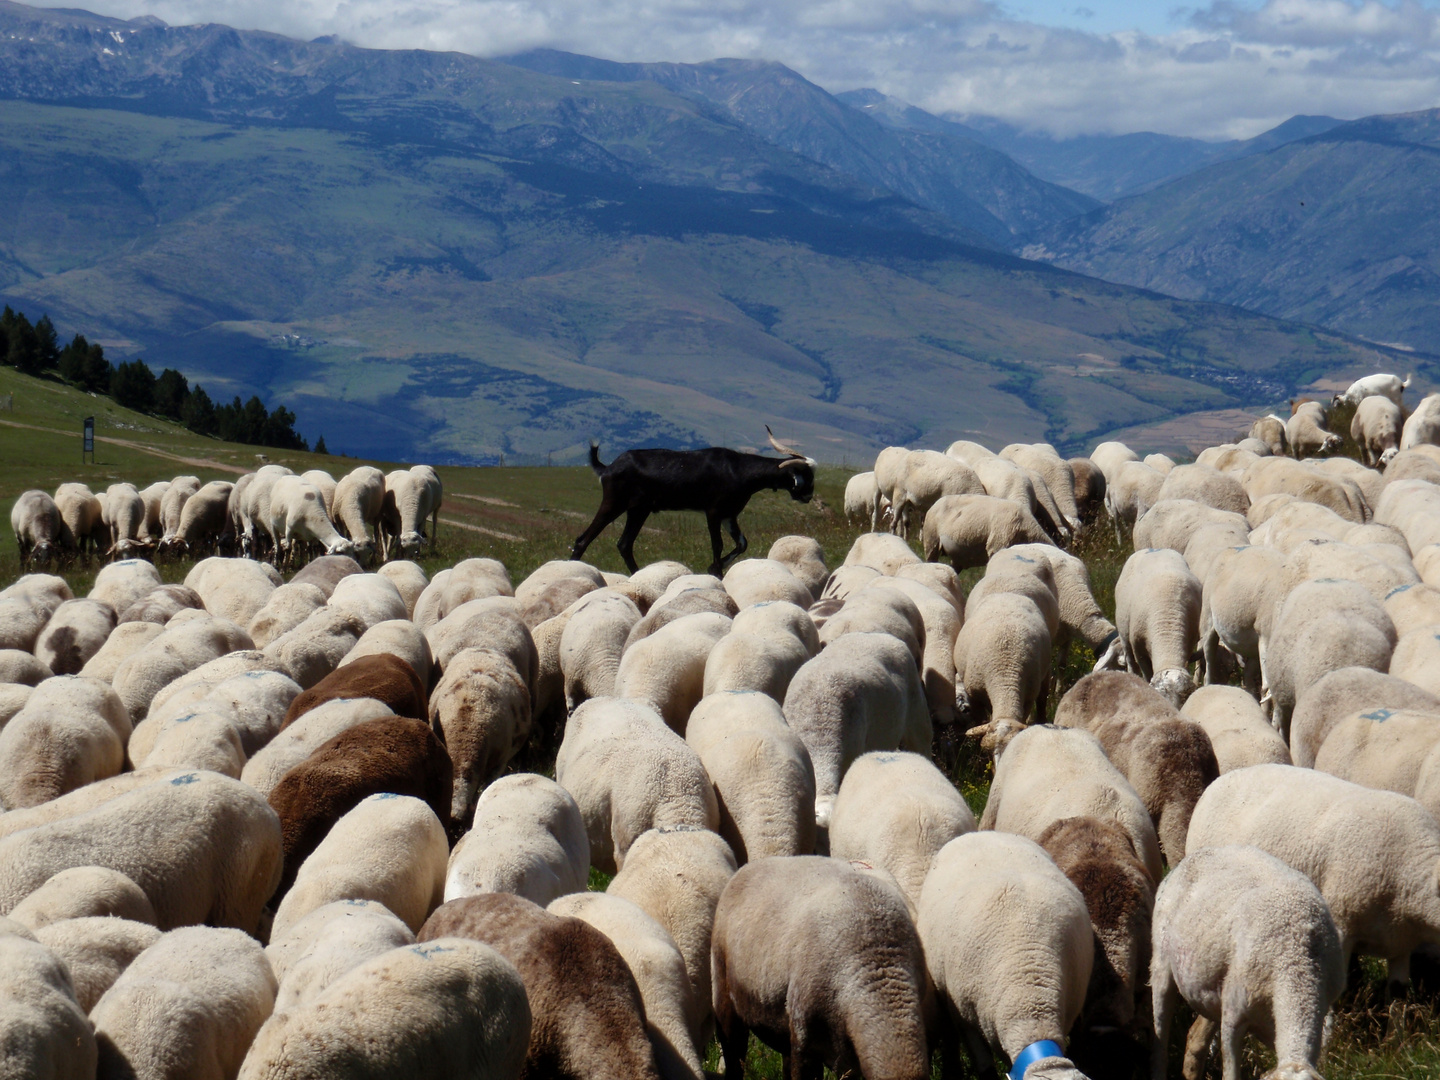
(683,598)
(46,1033)
(1130,493)
(222,839)
(1020,576)
(1002,666)
(940,626)
(1100,860)
(1323,626)
(1238,603)
(676,875)
(1207,486)
(399,638)
(491,623)
(629,773)
(1080,615)
(589,1020)
(751,581)
(35,520)
(667,669)
(298,517)
(330,941)
(1057,481)
(968,529)
(314,649)
(882,551)
(672,1016)
(1412,607)
(82,526)
(1157,612)
(390,754)
(1006,480)
(861,693)
(186,1008)
(925,477)
(552,573)
(125,583)
(21,668)
(203,521)
(1167,759)
(1089,487)
(370,596)
(1386,749)
(481,708)
(1044,774)
(1250,945)
(124,641)
(285,608)
(1275,476)
(178,650)
(409,579)
(12,699)
(75,633)
(864,500)
(896,811)
(1376,429)
(467,580)
(872,611)
(1110,457)
(24,613)
(1306,432)
(450,1008)
(252,703)
(71,732)
(821,961)
(383,677)
(172,504)
(410,498)
(96,949)
(84,892)
(233,589)
(326,572)
(1237,728)
(1422,427)
(1372,854)
(161,604)
(1161,463)
(1171,523)
(764,782)
(154,498)
(1270,431)
(298,741)
(528,839)
(389,848)
(766,645)
(125,518)
(1415,658)
(1009,946)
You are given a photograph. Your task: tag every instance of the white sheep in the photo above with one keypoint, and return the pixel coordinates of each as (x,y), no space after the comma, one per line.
(1109,457)
(1133,489)
(255,510)
(1422,427)
(84,892)
(82,525)
(285,608)
(1376,429)
(398,637)
(1157,612)
(925,477)
(178,650)
(528,838)
(672,1015)
(389,848)
(1045,774)
(1002,666)
(1237,728)
(125,583)
(411,496)
(863,692)
(751,581)
(596,629)
(203,520)
(1251,947)
(862,496)
(629,773)
(409,579)
(1009,947)
(667,669)
(312,650)
(869,611)
(820,959)
(187,1007)
(481,709)
(1415,658)
(1057,477)
(676,875)
(884,552)
(331,940)
(452,1008)
(71,732)
(897,810)
(161,604)
(1207,486)
(46,1031)
(125,518)
(233,589)
(494,622)
(1080,615)
(35,520)
(298,517)
(1306,432)
(1389,387)
(469,579)
(766,645)
(764,781)
(968,529)
(96,949)
(940,626)
(1372,854)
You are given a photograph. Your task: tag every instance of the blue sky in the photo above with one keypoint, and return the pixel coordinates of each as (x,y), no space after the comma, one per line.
(1208,68)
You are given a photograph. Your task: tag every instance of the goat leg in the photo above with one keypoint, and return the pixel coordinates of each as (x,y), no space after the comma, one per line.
(634,520)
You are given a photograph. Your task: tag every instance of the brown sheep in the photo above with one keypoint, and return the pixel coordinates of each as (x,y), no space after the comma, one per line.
(1167,759)
(1100,860)
(382,676)
(391,754)
(588,1017)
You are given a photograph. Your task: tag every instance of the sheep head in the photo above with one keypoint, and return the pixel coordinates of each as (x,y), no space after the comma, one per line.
(1174,684)
(1292,1070)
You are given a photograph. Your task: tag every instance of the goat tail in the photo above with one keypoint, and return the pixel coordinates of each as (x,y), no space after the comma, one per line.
(595,463)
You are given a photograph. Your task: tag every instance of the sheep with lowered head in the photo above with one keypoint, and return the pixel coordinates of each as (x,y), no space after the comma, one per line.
(481,709)
(1343,693)
(71,732)
(1002,666)
(1250,945)
(46,1032)
(1157,612)
(629,773)
(1237,728)
(766,645)
(1009,946)
(822,962)
(968,529)
(667,669)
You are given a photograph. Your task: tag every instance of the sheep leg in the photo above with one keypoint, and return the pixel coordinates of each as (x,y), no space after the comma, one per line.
(603,517)
(634,520)
(981,1059)
(1164,998)
(1197,1048)
(800,1063)
(734,1035)
(1231,1032)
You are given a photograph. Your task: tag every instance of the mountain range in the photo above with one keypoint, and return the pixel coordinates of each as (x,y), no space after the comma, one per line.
(431,255)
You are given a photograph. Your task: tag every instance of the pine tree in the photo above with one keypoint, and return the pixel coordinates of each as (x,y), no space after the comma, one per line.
(320,446)
(171,390)
(96,371)
(198,412)
(133,386)
(47,347)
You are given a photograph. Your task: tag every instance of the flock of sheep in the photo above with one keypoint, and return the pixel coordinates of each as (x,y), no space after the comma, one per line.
(270,513)
(277,830)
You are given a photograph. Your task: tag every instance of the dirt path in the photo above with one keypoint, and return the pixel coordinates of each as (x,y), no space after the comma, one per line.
(476,528)
(129,444)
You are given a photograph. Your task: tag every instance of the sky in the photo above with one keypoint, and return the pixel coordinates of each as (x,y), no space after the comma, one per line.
(1221,69)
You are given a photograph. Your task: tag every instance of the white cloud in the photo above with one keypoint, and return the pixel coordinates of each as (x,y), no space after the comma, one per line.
(1232,69)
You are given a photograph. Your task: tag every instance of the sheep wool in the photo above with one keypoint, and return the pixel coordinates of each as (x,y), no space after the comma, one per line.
(96,949)
(46,1031)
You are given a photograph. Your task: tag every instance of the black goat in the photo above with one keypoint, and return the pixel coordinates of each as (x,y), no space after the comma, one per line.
(716,481)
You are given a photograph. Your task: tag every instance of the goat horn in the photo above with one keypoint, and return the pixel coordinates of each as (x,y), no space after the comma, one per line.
(787,450)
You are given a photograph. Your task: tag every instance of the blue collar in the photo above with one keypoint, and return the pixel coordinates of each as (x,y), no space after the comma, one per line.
(1033,1053)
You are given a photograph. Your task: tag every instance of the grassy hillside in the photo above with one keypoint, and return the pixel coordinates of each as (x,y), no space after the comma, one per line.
(1333,230)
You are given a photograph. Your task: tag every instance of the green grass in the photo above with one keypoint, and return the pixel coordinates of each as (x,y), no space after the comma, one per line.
(531,515)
